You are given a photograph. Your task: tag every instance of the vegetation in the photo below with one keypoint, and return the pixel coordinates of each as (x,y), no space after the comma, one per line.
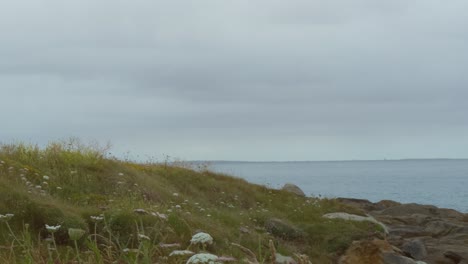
(70,203)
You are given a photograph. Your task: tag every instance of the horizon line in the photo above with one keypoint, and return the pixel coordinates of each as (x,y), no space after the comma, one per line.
(350,160)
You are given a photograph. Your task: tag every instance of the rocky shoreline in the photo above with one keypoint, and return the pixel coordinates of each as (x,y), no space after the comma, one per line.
(415,234)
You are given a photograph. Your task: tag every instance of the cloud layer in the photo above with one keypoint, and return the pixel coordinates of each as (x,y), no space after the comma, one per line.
(241,80)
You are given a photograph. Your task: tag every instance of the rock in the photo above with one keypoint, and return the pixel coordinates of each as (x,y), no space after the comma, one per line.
(415,249)
(292,188)
(359,203)
(426,233)
(392,258)
(353,217)
(409,209)
(455,256)
(442,228)
(366,252)
(384,204)
(280,259)
(280,228)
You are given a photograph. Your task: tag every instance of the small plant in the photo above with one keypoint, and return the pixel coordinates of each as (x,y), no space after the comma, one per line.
(75,234)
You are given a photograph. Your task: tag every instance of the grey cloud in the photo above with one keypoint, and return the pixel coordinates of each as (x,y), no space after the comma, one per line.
(220,76)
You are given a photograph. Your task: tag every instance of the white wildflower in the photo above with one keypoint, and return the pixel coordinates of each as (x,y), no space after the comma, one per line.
(174,245)
(161,216)
(203,258)
(140,211)
(175,194)
(52,229)
(143,237)
(6,217)
(202,238)
(181,253)
(97,218)
(45,177)
(121,174)
(38,187)
(59,188)
(178,206)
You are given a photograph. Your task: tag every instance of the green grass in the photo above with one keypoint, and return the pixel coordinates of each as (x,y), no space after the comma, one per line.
(83,182)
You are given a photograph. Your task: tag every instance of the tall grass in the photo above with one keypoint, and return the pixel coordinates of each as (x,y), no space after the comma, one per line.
(145,207)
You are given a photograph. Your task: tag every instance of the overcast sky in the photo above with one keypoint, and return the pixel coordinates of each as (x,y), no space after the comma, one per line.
(239,80)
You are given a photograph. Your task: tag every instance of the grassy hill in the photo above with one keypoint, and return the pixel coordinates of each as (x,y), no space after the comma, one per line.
(147,207)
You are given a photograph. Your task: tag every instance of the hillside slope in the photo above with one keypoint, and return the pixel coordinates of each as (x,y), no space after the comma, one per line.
(132,213)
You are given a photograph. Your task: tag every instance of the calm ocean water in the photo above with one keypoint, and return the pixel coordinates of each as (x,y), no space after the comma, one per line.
(443,183)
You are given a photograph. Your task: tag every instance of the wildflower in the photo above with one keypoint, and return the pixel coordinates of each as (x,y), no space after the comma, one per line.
(181,253)
(161,216)
(38,187)
(202,238)
(52,229)
(174,245)
(121,174)
(45,177)
(178,207)
(97,218)
(45,183)
(59,188)
(140,211)
(143,237)
(73,172)
(175,194)
(203,258)
(75,233)
(6,217)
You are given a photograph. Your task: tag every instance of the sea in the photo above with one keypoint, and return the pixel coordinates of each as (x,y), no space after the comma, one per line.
(439,182)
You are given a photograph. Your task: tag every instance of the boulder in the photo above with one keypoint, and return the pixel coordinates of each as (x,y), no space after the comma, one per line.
(358,218)
(415,249)
(282,229)
(292,188)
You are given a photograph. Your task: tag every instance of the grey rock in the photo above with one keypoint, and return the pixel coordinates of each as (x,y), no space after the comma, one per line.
(442,228)
(392,258)
(292,188)
(415,249)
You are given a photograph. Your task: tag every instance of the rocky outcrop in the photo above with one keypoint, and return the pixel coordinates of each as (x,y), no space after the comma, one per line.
(292,188)
(422,233)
